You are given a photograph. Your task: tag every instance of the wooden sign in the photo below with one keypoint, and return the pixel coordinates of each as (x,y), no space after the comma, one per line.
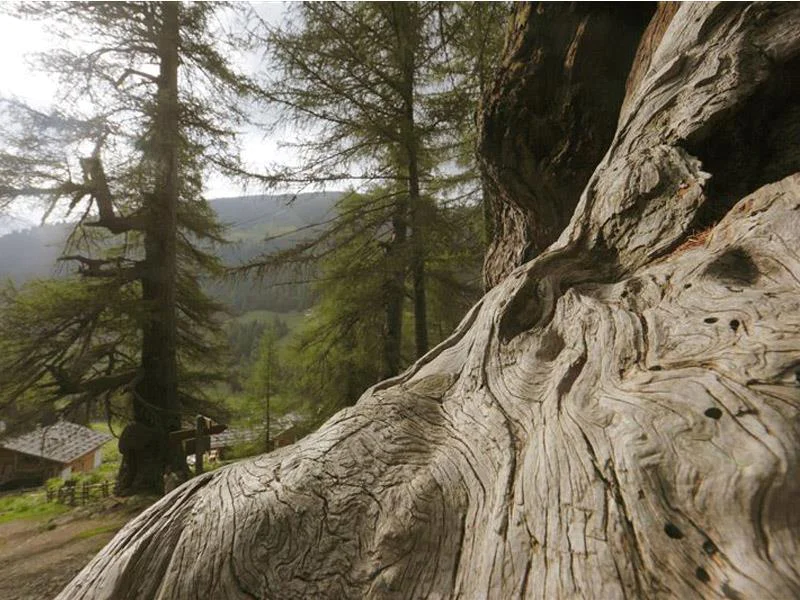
(187,434)
(197,440)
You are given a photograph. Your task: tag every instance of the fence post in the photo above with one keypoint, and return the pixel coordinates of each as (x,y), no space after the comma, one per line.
(201,443)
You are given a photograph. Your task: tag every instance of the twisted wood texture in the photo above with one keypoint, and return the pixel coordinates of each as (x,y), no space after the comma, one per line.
(618,418)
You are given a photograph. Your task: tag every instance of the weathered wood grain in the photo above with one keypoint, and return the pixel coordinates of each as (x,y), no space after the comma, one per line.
(618,418)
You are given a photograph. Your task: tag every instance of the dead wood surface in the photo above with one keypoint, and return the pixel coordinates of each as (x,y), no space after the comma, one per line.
(618,418)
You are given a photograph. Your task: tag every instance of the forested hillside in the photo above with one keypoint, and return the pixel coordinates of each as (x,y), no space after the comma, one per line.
(33,251)
(250,221)
(254,224)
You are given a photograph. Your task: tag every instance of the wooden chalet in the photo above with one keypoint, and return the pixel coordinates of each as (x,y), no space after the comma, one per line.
(284,430)
(58,450)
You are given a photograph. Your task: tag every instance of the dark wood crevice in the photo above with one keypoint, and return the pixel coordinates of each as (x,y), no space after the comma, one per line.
(755,143)
(538,155)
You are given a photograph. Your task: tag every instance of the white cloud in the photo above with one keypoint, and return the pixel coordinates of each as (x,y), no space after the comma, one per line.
(19,40)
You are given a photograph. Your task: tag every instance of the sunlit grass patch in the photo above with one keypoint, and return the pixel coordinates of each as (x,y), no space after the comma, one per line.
(28,505)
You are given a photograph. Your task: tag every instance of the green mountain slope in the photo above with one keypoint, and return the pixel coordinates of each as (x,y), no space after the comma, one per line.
(33,252)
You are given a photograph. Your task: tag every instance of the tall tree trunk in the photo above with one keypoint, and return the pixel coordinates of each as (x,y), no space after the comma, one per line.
(156,406)
(417,254)
(617,418)
(406,23)
(403,259)
(394,289)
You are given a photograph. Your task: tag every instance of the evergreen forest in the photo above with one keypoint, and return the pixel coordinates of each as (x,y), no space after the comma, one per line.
(140,300)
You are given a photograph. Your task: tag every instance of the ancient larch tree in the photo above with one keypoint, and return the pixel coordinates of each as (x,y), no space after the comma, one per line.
(618,416)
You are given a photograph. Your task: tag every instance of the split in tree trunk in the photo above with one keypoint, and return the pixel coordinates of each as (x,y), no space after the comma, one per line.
(550,117)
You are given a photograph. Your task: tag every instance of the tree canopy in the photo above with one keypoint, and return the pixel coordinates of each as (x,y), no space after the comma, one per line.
(387,94)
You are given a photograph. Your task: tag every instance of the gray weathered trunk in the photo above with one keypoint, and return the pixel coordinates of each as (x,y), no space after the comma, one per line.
(617,418)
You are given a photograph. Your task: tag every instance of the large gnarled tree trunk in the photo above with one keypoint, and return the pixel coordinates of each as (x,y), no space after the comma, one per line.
(616,418)
(550,117)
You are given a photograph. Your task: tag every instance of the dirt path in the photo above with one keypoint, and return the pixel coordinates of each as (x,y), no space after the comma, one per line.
(38,558)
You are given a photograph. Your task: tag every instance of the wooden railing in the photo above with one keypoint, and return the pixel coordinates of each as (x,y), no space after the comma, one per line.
(80,493)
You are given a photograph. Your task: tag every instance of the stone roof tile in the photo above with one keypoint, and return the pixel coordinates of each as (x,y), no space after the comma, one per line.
(61,442)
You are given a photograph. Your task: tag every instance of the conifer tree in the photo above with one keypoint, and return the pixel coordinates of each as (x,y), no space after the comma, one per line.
(375,84)
(338,352)
(148,106)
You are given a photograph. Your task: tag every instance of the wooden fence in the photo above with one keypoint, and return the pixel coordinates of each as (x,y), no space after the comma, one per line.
(79,494)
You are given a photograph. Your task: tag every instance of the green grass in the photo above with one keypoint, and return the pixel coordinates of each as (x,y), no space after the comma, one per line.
(87,533)
(34,505)
(111,455)
(28,505)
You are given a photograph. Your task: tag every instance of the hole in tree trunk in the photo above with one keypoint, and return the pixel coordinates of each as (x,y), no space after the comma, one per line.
(755,143)
(734,266)
(672,531)
(731,593)
(702,575)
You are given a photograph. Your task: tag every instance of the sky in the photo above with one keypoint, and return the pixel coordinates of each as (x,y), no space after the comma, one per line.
(20,39)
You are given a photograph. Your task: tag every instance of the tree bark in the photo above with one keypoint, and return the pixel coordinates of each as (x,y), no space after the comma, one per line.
(407,248)
(394,289)
(156,406)
(550,117)
(406,25)
(617,418)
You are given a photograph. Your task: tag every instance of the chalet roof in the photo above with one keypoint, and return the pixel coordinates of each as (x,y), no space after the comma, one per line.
(61,442)
(231,437)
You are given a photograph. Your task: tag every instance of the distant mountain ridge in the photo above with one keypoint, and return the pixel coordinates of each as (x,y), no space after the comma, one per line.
(246,212)
(33,252)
